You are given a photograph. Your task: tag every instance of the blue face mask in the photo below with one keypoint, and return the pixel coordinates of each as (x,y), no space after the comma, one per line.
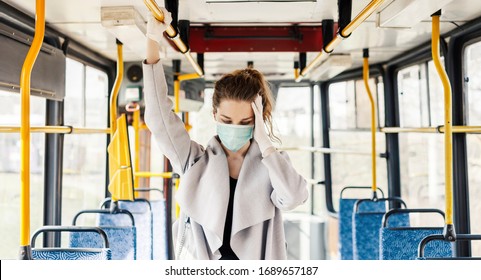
(233,136)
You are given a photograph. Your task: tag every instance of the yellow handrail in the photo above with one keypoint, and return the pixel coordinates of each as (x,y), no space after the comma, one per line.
(136,126)
(116,88)
(25,123)
(440,129)
(323,150)
(448,134)
(191,76)
(176,96)
(56,130)
(365,76)
(177,207)
(166,175)
(173,35)
(187,125)
(360,18)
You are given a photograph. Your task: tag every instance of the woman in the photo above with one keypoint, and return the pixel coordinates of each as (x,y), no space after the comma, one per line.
(232,191)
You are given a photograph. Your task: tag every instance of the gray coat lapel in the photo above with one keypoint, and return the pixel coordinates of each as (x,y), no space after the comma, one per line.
(252,200)
(204,193)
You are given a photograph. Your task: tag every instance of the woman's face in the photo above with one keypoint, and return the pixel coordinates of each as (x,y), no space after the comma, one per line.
(234,112)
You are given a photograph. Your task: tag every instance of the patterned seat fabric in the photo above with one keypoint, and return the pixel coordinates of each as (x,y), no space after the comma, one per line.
(122,241)
(143,222)
(159,238)
(346,206)
(366,231)
(71,254)
(402,244)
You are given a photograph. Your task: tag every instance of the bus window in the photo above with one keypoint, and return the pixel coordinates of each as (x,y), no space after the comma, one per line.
(413,109)
(421,154)
(318,194)
(10,171)
(436,96)
(473,99)
(353,169)
(84,164)
(342,105)
(291,120)
(380,102)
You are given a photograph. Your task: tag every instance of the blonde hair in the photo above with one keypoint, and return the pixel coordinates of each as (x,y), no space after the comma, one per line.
(245,85)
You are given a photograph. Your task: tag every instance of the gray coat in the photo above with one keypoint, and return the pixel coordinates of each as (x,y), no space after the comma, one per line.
(265,185)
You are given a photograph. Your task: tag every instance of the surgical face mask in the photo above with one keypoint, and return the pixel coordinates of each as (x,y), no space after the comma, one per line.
(233,136)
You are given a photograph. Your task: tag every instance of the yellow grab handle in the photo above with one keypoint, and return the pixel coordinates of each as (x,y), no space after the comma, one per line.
(25,122)
(116,88)
(360,18)
(173,35)
(365,76)
(448,133)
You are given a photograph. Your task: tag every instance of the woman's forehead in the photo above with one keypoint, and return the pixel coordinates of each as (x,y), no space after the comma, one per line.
(235,109)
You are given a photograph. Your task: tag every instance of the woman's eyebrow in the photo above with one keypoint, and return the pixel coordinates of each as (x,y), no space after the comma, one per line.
(245,119)
(224,116)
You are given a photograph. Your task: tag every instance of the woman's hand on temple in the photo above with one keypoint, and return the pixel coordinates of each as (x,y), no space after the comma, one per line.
(260,135)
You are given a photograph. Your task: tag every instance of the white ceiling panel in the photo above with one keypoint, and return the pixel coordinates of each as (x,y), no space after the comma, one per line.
(80,19)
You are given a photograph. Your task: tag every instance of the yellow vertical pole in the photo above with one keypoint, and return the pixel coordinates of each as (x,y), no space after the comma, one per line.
(136,125)
(115,90)
(177,207)
(365,76)
(187,125)
(176,95)
(448,132)
(25,129)
(25,120)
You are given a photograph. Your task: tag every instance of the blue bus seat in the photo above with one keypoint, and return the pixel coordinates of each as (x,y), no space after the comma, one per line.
(142,211)
(122,241)
(160,240)
(346,206)
(122,236)
(423,246)
(401,243)
(366,226)
(99,252)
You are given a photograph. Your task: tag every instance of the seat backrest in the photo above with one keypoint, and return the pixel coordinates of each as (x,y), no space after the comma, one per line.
(346,206)
(402,242)
(122,241)
(141,209)
(120,229)
(58,254)
(100,251)
(159,238)
(367,225)
(428,240)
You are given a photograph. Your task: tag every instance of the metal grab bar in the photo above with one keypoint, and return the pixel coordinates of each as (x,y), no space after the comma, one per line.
(98,230)
(56,130)
(173,35)
(448,135)
(327,150)
(116,88)
(365,77)
(439,129)
(25,250)
(360,18)
(136,126)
